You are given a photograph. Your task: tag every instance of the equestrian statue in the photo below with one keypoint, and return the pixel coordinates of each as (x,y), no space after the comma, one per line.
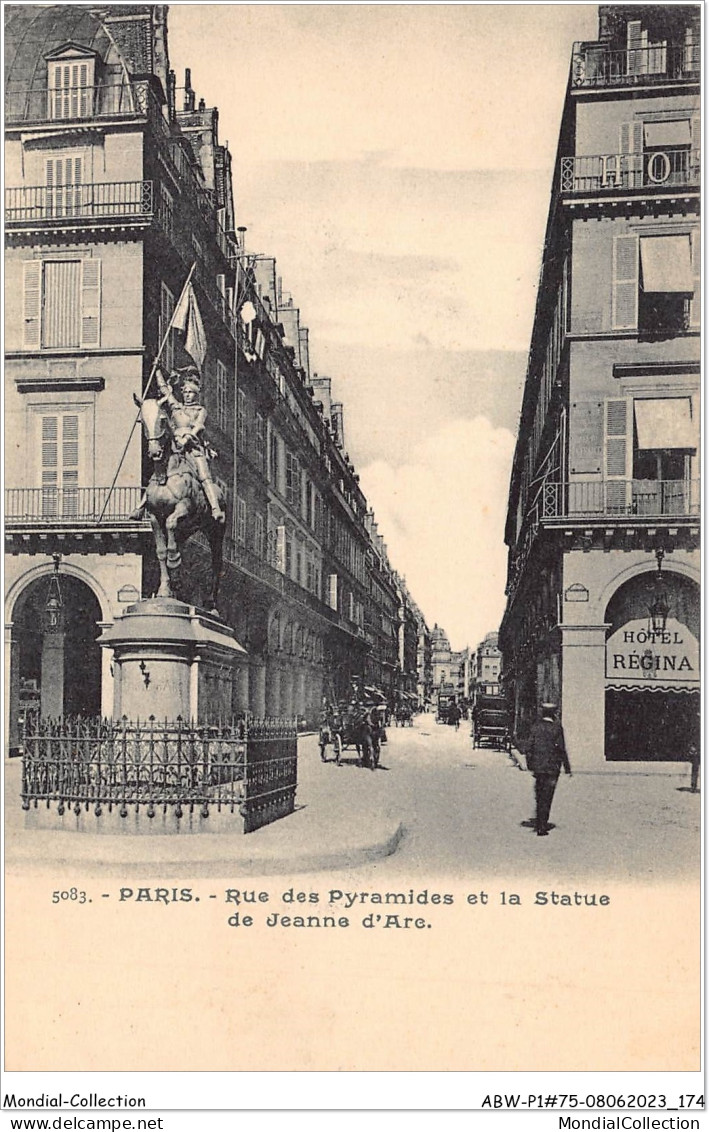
(181,497)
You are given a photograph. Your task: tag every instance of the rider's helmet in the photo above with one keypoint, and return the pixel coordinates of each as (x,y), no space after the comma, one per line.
(189,378)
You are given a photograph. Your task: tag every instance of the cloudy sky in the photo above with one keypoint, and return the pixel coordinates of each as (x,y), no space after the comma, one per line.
(397,161)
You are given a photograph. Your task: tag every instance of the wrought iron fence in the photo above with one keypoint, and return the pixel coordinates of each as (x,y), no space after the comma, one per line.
(92,764)
(652,169)
(595,64)
(81,201)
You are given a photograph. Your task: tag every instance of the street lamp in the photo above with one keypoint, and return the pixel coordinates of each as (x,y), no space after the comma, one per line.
(659,607)
(54,605)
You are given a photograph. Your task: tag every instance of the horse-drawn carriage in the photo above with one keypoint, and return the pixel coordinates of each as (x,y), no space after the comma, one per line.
(404,714)
(446,706)
(356,726)
(491,723)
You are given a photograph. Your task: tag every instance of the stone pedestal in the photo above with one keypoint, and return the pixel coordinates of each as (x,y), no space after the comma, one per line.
(171,659)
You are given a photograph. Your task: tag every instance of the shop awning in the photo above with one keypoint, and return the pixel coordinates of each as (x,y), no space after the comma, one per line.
(659,135)
(666,263)
(665,423)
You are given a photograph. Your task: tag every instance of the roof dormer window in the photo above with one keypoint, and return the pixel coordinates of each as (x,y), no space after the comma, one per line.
(71,73)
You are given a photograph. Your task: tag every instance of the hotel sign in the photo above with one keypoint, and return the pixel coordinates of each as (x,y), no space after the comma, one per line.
(637,655)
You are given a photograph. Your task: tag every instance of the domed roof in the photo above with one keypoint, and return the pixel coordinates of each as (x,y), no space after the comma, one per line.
(32,33)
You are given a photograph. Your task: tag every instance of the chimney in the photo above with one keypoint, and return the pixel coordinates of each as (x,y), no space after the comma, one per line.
(188,103)
(338,423)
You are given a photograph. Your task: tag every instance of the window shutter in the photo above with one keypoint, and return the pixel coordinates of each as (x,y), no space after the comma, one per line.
(631,148)
(617,454)
(637,48)
(625,282)
(631,137)
(281,549)
(32,294)
(50,469)
(91,302)
(695,306)
(332,591)
(70,463)
(695,156)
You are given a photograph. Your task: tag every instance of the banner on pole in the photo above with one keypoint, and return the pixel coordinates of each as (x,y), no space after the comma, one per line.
(188,319)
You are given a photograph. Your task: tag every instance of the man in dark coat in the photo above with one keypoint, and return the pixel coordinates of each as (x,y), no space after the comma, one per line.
(546,754)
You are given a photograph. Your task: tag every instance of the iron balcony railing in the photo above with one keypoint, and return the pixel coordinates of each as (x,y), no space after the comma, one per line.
(655,169)
(51,505)
(597,65)
(622,498)
(75,103)
(83,202)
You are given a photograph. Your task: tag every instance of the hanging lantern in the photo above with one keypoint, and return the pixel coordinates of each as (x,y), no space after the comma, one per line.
(54,605)
(659,607)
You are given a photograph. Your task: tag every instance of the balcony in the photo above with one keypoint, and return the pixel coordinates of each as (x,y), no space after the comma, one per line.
(655,169)
(597,65)
(621,499)
(76,104)
(53,507)
(42,206)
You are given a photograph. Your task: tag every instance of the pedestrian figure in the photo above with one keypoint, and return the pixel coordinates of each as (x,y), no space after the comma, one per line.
(546,754)
(694,760)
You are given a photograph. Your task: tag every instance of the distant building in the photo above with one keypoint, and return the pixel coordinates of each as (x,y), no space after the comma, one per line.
(487,666)
(603,610)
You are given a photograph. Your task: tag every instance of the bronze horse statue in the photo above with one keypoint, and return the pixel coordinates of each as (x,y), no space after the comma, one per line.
(175,502)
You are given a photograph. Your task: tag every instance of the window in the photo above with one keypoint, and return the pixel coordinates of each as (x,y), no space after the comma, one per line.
(61,303)
(292,482)
(63,178)
(273,460)
(221,395)
(666,284)
(261,442)
(71,84)
(240,517)
(258,535)
(655,283)
(649,447)
(664,152)
(644,57)
(332,591)
(167,307)
(288,564)
(166,210)
(60,462)
(241,420)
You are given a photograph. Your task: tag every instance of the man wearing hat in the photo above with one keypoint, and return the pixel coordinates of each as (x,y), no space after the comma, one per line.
(546,754)
(187,420)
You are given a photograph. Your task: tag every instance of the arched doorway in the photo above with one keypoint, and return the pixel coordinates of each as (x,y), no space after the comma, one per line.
(652,672)
(59,659)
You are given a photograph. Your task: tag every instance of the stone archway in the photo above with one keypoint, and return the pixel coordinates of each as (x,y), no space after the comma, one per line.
(56,666)
(652,695)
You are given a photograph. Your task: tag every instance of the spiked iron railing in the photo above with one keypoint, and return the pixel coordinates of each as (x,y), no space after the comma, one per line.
(248,766)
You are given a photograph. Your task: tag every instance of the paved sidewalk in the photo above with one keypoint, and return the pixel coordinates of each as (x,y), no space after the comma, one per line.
(340,821)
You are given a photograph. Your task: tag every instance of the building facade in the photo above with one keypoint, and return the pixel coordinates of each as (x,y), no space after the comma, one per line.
(603,521)
(487,666)
(116,186)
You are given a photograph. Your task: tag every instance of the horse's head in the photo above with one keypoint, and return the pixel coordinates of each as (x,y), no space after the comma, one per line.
(154,421)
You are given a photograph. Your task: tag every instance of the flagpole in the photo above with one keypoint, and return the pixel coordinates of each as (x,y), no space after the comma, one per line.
(148,383)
